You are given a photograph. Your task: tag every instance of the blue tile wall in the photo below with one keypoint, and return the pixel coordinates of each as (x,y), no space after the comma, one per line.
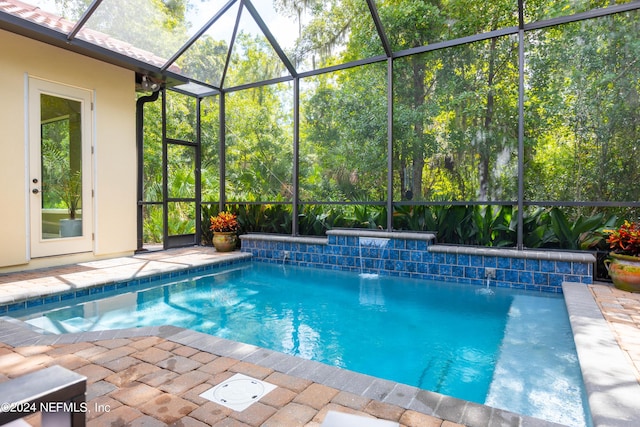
(412,258)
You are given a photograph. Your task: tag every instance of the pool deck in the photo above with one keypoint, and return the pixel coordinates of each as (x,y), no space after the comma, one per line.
(153,376)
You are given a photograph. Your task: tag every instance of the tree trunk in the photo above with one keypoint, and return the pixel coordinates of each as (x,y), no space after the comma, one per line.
(485,145)
(418,127)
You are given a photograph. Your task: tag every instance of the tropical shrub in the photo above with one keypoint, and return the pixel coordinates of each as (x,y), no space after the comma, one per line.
(479,225)
(625,240)
(224,222)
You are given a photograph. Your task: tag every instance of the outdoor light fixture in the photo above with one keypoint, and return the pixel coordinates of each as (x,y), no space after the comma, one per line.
(148,84)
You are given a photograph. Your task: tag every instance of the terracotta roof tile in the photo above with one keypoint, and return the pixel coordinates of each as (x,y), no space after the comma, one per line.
(46,19)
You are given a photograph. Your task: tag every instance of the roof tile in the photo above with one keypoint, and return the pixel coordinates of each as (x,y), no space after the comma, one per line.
(41,17)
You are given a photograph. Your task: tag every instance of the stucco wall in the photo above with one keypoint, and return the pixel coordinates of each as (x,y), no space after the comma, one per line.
(115,156)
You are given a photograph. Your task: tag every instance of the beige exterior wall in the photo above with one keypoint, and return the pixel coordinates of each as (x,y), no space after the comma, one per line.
(114,163)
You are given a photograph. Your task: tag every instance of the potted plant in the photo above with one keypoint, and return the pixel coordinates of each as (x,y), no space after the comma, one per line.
(624,259)
(225,228)
(69,189)
(64,182)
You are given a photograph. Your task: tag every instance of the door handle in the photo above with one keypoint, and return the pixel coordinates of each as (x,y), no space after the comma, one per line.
(35,191)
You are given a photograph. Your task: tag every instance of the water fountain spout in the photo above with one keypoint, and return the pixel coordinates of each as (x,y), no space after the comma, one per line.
(489,273)
(371,242)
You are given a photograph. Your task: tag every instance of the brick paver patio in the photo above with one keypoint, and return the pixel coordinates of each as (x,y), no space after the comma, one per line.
(621,310)
(152,379)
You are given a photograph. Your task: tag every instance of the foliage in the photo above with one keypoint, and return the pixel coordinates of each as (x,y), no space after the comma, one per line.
(205,60)
(259,151)
(481,225)
(224,222)
(625,240)
(152,225)
(365,216)
(181,218)
(70,191)
(496,226)
(567,234)
(582,109)
(340,116)
(315,220)
(206,233)
(417,218)
(263,218)
(61,184)
(455,123)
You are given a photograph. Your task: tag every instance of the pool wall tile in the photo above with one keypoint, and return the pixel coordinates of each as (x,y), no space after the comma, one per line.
(490,261)
(463,260)
(517,264)
(457,271)
(415,255)
(532,265)
(504,263)
(16,306)
(35,302)
(580,269)
(92,289)
(477,261)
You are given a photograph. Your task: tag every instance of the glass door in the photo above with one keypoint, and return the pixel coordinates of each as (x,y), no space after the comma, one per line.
(60,168)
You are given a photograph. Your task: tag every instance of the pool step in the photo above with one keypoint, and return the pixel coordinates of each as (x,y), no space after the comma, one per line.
(525,375)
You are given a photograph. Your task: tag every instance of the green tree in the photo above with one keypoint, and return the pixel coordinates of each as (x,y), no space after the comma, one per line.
(583,111)
(454,109)
(259,129)
(204,61)
(343,146)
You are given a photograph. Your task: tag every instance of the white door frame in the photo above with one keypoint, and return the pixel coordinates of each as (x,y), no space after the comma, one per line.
(50,246)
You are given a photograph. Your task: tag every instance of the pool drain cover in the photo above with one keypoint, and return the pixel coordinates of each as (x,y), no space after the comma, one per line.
(238,392)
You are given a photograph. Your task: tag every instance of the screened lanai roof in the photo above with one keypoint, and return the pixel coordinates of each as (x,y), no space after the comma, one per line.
(202,45)
(197,42)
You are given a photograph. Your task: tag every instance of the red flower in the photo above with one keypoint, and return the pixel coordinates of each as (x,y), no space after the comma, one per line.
(626,239)
(224,221)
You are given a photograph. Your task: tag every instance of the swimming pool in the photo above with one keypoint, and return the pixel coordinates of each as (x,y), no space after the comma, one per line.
(509,349)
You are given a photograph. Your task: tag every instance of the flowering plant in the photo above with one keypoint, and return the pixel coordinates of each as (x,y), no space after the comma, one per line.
(626,239)
(225,222)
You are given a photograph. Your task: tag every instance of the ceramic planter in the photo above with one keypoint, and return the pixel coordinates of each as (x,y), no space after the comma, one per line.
(70,227)
(225,241)
(624,271)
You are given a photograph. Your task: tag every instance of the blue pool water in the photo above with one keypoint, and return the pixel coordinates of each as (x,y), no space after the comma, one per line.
(509,349)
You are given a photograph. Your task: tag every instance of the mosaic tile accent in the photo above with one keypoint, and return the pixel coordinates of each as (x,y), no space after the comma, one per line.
(414,255)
